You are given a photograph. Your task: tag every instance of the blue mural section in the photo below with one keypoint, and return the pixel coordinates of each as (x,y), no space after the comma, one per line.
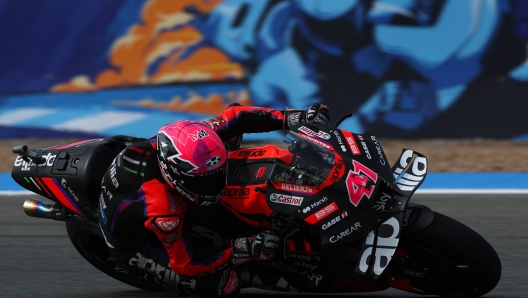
(405,68)
(50,41)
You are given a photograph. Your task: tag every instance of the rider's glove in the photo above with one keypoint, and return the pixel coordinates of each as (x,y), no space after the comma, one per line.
(316,113)
(234,142)
(262,247)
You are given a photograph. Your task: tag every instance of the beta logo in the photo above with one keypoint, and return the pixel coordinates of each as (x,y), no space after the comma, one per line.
(166,224)
(286,199)
(322,213)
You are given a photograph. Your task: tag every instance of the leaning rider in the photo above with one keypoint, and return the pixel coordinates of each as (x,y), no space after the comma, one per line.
(150,186)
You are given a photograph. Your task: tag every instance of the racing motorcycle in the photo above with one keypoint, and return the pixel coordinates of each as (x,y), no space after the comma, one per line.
(342,212)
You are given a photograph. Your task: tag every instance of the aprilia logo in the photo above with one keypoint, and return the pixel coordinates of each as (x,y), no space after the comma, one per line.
(337,171)
(236,192)
(414,175)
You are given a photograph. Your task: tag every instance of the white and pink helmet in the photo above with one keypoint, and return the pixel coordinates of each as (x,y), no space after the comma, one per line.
(192,159)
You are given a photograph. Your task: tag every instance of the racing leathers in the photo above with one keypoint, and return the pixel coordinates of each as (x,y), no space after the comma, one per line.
(145,222)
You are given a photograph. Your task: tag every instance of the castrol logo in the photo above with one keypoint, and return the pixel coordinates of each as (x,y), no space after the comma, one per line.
(286,199)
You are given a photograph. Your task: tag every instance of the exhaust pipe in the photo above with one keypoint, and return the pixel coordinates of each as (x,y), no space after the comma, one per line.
(42,209)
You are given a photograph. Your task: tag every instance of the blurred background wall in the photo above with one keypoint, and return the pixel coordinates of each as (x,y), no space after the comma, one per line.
(404,68)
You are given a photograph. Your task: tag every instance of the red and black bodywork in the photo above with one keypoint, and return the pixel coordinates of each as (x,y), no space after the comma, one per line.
(331,182)
(322,184)
(69,174)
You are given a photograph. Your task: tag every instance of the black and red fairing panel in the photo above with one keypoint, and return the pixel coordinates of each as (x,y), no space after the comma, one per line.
(71,174)
(249,170)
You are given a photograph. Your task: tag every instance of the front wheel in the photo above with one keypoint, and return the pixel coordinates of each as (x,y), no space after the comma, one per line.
(446,258)
(95,251)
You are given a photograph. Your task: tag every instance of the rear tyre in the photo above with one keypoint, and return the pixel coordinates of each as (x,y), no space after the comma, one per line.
(95,251)
(446,258)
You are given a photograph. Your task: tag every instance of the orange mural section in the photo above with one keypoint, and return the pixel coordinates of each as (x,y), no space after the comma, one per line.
(212,104)
(162,37)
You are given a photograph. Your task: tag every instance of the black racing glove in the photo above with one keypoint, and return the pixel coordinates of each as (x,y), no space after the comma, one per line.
(316,113)
(262,247)
(234,142)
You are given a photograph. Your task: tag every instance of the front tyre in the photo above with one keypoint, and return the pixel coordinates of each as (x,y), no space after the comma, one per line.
(446,258)
(95,251)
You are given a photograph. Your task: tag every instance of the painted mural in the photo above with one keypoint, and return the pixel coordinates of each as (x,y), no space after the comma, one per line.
(404,68)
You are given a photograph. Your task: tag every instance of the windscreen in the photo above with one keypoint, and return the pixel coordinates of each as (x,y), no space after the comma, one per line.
(311,163)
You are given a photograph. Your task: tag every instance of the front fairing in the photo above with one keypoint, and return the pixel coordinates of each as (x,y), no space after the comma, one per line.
(342,185)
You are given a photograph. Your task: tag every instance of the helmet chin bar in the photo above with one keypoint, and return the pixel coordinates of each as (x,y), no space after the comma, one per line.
(198,199)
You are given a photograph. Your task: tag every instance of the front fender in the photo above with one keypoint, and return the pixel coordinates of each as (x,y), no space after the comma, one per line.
(416,217)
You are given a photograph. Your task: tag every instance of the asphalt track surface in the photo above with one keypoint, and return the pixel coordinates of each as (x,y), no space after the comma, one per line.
(38,260)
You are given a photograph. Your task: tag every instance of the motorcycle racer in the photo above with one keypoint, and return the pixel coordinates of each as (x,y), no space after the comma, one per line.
(150,187)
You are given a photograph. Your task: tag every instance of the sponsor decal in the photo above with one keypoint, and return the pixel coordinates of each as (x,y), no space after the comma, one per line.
(251,153)
(171,239)
(415,174)
(351,142)
(102,207)
(166,224)
(407,215)
(213,162)
(214,122)
(307,209)
(313,277)
(113,171)
(359,182)
(335,220)
(364,145)
(337,171)
(236,192)
(305,265)
(367,152)
(166,273)
(26,166)
(286,199)
(198,135)
(385,248)
(316,204)
(345,233)
(68,189)
(296,188)
(340,141)
(379,150)
(259,172)
(304,257)
(318,142)
(183,193)
(382,201)
(322,213)
(106,192)
(293,118)
(320,134)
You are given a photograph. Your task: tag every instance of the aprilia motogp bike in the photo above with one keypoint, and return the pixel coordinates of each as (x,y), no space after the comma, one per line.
(342,212)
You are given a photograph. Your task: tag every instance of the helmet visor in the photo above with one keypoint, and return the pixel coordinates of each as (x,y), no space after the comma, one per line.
(202,188)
